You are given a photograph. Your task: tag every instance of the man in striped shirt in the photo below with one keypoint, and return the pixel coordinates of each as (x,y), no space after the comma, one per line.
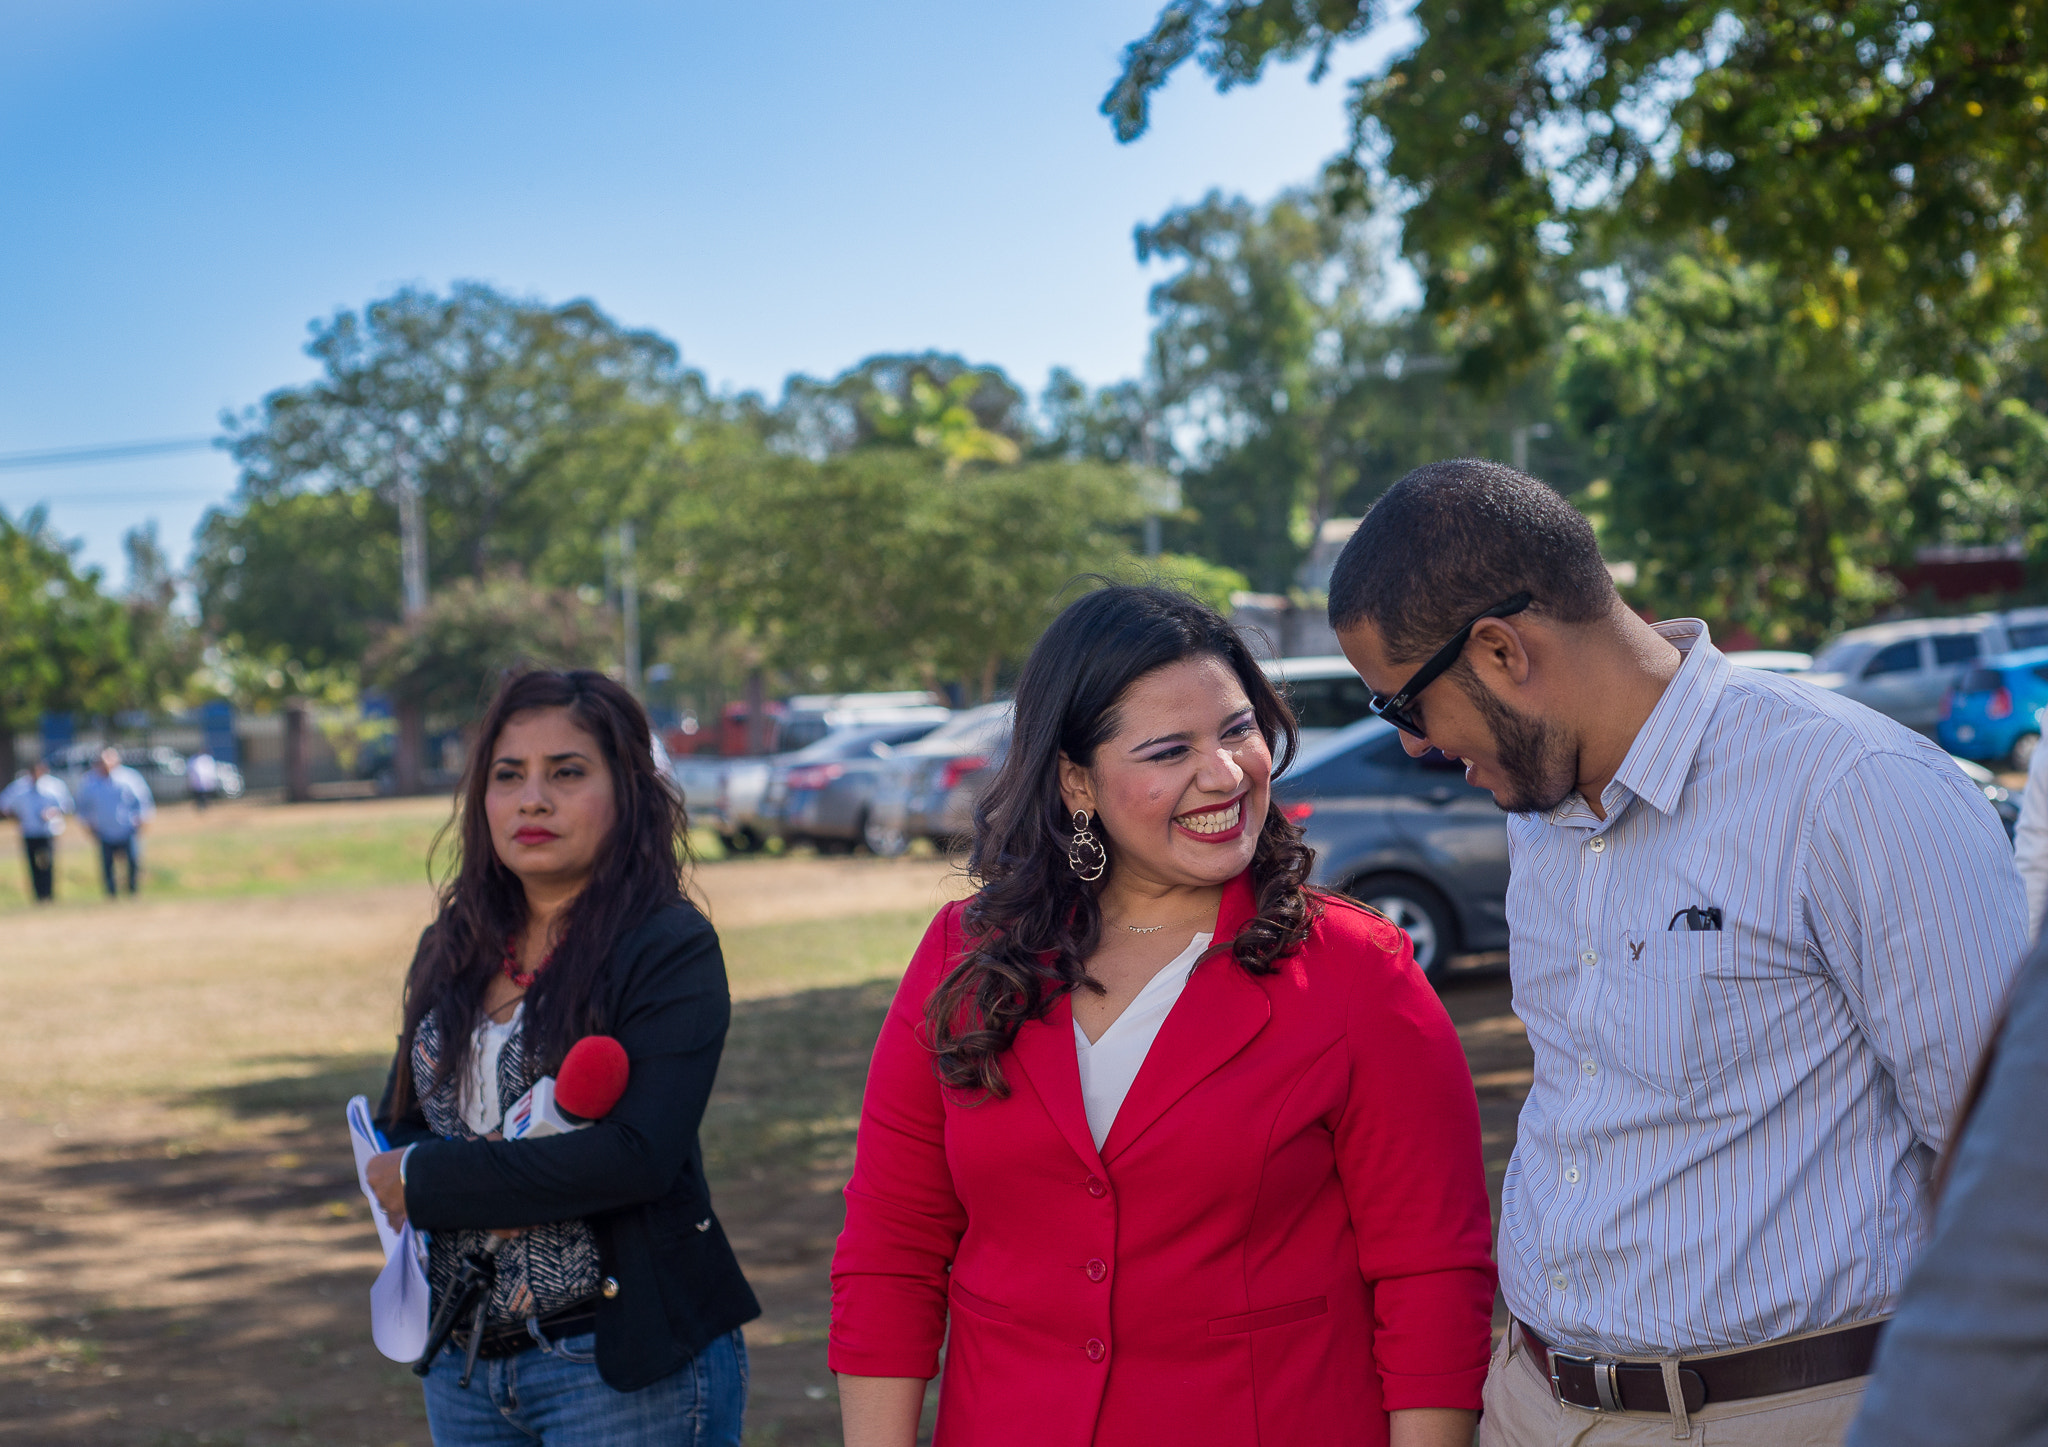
(1759,934)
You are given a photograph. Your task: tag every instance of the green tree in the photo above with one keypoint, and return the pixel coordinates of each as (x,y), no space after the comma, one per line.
(165,643)
(301,579)
(889,399)
(1261,343)
(1874,154)
(449,656)
(64,644)
(1762,467)
(519,421)
(877,567)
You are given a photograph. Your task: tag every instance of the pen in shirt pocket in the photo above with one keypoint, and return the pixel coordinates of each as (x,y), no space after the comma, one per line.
(1697,917)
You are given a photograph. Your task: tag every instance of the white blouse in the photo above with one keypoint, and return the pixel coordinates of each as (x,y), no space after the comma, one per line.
(1110,1064)
(481,1111)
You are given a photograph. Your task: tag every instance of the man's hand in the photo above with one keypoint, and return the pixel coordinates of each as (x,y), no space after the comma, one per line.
(383,1175)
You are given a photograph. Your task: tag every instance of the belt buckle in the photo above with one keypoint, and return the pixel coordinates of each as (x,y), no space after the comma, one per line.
(1606,1381)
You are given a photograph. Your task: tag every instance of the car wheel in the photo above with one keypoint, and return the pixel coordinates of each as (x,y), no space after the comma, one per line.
(2023,748)
(883,840)
(1418,910)
(742,841)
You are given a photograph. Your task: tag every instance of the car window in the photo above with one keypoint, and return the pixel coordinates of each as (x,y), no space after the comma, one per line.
(1956,648)
(2040,671)
(1896,658)
(2026,635)
(1329,703)
(1981,680)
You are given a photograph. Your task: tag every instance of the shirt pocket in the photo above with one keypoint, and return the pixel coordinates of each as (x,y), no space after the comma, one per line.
(1668,1022)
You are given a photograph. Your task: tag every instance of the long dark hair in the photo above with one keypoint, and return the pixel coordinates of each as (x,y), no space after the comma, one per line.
(639,870)
(1034,922)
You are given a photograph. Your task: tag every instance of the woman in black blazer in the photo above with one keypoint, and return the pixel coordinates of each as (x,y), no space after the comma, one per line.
(615,1316)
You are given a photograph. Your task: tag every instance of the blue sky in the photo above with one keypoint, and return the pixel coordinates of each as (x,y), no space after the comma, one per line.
(787,185)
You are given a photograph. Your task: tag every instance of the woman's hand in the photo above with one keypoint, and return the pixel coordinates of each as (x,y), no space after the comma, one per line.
(383,1176)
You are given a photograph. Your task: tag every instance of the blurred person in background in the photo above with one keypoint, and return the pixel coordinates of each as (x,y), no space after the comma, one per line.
(1760,935)
(2030,842)
(115,803)
(202,777)
(1966,1358)
(38,801)
(1189,1152)
(618,1302)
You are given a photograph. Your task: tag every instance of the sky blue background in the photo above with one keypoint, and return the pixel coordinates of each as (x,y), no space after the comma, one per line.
(778,186)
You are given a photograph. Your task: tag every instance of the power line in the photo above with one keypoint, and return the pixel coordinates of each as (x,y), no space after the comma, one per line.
(112,452)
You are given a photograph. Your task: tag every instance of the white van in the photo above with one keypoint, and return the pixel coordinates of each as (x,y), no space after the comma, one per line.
(1903,669)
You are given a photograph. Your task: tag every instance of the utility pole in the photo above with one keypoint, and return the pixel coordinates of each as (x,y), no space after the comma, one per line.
(409,760)
(1521,436)
(629,607)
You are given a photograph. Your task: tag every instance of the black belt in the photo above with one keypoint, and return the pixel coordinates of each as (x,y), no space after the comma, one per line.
(1613,1384)
(510,1341)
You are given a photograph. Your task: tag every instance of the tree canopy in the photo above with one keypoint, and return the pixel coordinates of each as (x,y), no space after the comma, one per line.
(1872,153)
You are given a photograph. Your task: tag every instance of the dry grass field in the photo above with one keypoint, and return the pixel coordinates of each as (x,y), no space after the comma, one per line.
(184,1257)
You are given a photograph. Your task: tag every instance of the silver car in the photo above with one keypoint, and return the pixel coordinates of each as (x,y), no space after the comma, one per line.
(824,794)
(1407,836)
(928,789)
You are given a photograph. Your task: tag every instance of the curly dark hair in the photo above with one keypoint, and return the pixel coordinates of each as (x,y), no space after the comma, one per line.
(483,905)
(1034,923)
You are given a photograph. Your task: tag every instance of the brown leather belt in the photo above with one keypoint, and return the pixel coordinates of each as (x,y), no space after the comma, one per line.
(1613,1384)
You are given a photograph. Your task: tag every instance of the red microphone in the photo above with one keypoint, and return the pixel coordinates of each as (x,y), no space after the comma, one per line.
(590,1082)
(592,1077)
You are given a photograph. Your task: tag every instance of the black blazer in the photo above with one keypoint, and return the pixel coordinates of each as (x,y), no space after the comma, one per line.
(637,1176)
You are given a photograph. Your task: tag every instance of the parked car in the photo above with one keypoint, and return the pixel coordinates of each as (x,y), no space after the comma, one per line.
(162,768)
(928,789)
(1407,836)
(823,794)
(1993,712)
(1904,669)
(1325,692)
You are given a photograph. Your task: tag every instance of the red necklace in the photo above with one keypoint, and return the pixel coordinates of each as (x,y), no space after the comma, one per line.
(522,978)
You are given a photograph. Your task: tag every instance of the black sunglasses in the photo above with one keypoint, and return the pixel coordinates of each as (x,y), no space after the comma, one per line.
(1394,709)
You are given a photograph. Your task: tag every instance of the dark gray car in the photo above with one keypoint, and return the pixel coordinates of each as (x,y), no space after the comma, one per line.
(823,794)
(1407,836)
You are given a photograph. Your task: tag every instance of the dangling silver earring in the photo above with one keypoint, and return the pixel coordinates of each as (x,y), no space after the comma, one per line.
(1085,855)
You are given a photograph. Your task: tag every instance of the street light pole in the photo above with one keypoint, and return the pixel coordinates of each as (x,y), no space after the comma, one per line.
(629,606)
(408,763)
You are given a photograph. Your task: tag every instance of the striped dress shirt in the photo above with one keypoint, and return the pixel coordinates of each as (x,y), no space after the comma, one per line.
(1729,1130)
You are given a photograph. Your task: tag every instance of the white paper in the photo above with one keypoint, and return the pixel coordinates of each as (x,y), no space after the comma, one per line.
(401,1307)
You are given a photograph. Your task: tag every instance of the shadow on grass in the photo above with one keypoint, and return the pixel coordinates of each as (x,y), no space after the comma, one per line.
(317,1086)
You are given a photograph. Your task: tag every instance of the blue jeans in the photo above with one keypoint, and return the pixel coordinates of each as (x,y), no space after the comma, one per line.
(129,849)
(552,1395)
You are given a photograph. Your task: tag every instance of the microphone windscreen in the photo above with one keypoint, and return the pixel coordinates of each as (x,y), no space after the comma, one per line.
(592,1077)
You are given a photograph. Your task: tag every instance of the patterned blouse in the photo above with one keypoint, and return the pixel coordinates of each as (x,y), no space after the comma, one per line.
(545,1269)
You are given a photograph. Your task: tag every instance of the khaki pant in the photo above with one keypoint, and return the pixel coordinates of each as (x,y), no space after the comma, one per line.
(1521,1412)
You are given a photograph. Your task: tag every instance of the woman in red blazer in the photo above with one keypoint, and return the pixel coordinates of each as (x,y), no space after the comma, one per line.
(1163,1146)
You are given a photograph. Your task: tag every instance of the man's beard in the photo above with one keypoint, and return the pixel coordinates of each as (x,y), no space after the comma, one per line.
(1539,762)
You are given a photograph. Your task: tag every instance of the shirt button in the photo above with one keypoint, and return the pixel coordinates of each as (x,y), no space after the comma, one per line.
(1096,1188)
(1599,846)
(1589,958)
(1557,1281)
(1571,1175)
(1095,1349)
(1589,1067)
(1097,1270)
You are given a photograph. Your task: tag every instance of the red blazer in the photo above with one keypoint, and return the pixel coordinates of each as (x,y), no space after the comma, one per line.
(1283,1238)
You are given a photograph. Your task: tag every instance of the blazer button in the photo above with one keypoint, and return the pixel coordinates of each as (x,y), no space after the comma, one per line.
(1096,1188)
(1096,1350)
(1097,1270)
(610,1287)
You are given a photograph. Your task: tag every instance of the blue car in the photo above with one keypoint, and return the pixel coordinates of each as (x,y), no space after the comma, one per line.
(1992,713)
